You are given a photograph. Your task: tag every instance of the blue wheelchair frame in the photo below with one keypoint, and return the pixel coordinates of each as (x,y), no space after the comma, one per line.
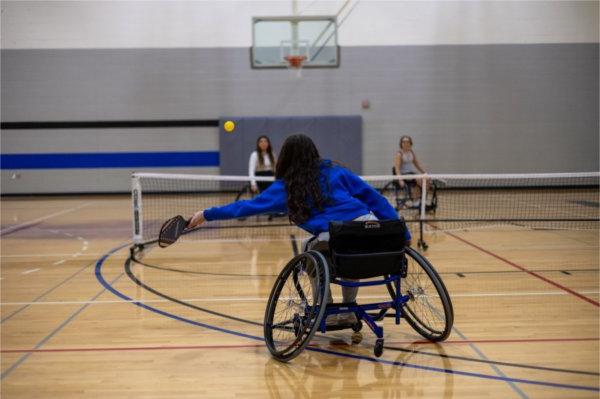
(361,310)
(341,261)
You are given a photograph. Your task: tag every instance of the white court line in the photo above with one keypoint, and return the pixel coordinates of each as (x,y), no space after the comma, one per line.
(31,271)
(59,262)
(52,255)
(34,221)
(264,299)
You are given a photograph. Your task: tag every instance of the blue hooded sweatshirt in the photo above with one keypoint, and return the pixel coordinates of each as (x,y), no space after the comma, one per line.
(347,197)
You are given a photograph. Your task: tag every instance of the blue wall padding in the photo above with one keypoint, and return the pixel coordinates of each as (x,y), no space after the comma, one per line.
(338,138)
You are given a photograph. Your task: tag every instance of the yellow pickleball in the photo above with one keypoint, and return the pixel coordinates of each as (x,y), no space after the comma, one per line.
(229,126)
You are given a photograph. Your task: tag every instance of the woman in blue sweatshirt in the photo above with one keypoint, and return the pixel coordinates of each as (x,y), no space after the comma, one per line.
(312,192)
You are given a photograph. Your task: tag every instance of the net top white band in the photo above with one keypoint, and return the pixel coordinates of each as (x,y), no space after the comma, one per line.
(173,176)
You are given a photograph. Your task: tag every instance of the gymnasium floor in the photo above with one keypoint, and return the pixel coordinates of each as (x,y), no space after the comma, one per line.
(78,320)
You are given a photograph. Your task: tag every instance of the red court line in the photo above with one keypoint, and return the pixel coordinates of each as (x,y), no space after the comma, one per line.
(144,348)
(498,341)
(570,291)
(135,348)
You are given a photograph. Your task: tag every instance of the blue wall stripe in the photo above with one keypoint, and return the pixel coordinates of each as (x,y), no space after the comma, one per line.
(110,160)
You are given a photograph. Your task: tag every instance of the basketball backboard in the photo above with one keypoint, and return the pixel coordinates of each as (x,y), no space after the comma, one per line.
(279,41)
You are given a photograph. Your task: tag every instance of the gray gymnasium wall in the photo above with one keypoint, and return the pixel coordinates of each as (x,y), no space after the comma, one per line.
(470,108)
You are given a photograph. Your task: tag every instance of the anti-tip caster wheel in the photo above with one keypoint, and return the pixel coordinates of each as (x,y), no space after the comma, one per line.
(378,350)
(357,326)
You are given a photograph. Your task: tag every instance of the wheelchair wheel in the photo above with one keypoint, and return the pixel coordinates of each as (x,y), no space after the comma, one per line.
(296,305)
(429,309)
(245,193)
(396,195)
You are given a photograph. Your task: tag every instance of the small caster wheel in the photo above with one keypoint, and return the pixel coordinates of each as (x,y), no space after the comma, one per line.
(356,327)
(423,245)
(357,337)
(378,350)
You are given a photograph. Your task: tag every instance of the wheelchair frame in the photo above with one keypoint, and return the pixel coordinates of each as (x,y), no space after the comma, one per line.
(308,318)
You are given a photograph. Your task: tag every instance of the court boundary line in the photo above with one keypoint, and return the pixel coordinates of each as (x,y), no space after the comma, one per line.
(497,363)
(34,222)
(48,291)
(242,346)
(63,324)
(534,274)
(261,299)
(119,294)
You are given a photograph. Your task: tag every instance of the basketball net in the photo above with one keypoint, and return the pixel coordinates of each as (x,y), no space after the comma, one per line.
(295,63)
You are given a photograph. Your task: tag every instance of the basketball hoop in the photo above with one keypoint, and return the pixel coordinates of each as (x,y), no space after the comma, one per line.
(295,62)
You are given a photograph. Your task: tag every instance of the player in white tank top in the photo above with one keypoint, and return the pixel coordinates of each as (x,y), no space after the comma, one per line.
(406,162)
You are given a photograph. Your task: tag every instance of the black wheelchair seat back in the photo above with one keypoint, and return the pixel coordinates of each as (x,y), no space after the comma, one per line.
(367,249)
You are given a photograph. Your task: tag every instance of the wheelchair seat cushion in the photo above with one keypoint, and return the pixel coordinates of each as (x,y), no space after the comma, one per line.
(365,249)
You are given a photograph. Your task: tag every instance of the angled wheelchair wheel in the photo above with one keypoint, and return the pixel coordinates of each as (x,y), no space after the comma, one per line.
(396,195)
(245,193)
(429,309)
(296,305)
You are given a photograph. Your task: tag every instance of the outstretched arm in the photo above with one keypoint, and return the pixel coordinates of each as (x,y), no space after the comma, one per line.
(273,199)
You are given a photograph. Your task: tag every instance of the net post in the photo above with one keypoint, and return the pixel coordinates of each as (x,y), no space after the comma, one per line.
(136,200)
(422,243)
(423,197)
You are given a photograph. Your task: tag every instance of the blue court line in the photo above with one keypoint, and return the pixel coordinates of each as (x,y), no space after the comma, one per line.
(9,370)
(96,160)
(493,366)
(108,287)
(456,372)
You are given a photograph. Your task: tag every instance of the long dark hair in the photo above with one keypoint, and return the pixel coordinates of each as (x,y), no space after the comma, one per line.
(261,161)
(299,167)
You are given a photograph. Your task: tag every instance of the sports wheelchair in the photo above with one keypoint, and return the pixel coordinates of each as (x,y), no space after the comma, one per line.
(297,306)
(401,197)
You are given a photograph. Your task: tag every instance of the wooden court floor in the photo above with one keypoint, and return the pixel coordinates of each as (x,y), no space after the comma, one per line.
(79,321)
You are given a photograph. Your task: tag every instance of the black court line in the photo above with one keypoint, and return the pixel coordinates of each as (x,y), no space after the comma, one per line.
(561,270)
(110,124)
(127,265)
(295,251)
(170,298)
(169,269)
(470,359)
